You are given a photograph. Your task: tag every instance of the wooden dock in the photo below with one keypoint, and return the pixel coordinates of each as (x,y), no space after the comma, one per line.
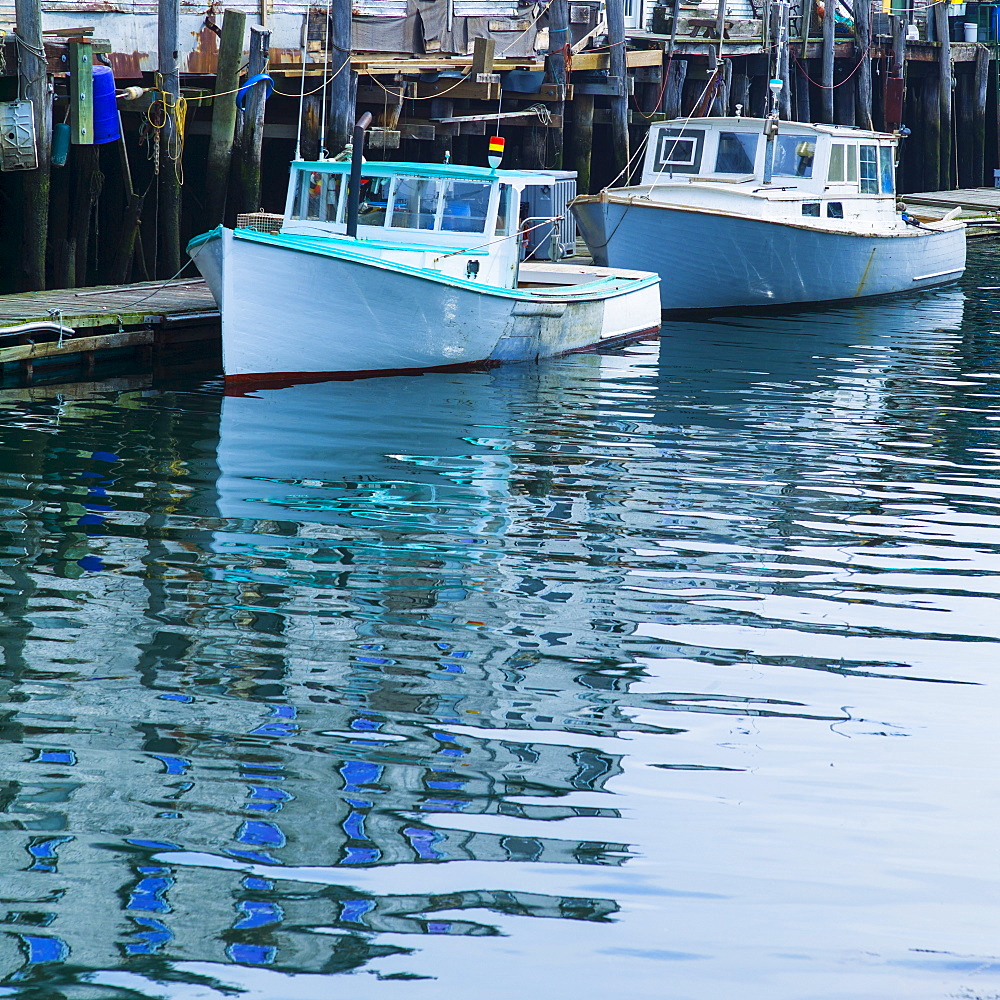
(972,201)
(144,328)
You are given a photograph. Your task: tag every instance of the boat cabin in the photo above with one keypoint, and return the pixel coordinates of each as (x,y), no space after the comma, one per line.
(458,219)
(830,163)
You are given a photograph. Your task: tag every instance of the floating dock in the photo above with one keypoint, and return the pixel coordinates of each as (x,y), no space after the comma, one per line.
(149,327)
(972,201)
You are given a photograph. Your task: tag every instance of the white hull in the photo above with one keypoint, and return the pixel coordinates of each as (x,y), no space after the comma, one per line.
(714,260)
(289,312)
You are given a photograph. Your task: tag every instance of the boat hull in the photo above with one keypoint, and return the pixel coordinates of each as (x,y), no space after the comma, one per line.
(718,261)
(288,312)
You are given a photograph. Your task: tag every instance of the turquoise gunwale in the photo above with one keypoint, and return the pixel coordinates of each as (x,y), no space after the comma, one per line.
(451,171)
(600,288)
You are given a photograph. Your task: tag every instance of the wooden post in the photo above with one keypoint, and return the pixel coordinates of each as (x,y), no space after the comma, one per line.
(582,140)
(740,93)
(81,92)
(944,94)
(720,105)
(555,64)
(981,79)
(252,133)
(312,117)
(931,144)
(220,146)
(33,75)
(483,50)
(892,103)
(168,23)
(673,93)
(826,78)
(617,76)
(781,34)
(802,109)
(863,42)
(340,120)
(89,179)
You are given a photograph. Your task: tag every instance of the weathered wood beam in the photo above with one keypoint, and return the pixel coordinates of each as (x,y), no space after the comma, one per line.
(32,71)
(220,146)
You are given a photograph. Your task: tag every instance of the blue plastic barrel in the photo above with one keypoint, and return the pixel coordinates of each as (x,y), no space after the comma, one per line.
(105,106)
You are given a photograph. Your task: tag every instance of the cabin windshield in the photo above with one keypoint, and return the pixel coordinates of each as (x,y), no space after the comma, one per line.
(403,201)
(737,152)
(465,206)
(415,203)
(793,156)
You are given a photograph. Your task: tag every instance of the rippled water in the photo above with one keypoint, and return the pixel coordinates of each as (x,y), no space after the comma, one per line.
(670,673)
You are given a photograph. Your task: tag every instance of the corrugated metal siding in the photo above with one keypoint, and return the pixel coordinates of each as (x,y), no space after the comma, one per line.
(486,8)
(379,8)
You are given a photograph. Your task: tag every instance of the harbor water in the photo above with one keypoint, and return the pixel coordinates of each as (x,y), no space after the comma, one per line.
(672,672)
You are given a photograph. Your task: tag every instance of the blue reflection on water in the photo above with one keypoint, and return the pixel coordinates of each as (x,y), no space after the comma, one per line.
(516,682)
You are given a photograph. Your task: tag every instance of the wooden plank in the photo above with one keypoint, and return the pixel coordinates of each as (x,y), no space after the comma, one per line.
(76,345)
(633,58)
(81,92)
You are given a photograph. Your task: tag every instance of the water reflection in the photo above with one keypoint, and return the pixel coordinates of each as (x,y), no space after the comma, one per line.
(271,661)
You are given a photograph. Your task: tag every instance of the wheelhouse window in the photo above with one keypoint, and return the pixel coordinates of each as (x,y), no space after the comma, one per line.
(465,206)
(886,170)
(793,156)
(869,169)
(373,201)
(504,223)
(678,151)
(331,197)
(843,164)
(737,152)
(414,205)
(309,195)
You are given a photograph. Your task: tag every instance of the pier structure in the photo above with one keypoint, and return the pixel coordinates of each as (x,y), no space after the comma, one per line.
(213,103)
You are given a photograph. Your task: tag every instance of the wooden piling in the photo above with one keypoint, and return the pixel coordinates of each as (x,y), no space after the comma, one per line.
(944,95)
(784,70)
(826,78)
(340,118)
(862,48)
(33,76)
(168,24)
(220,146)
(982,77)
(88,181)
(802,109)
(582,140)
(251,135)
(617,76)
(555,64)
(892,102)
(673,92)
(930,144)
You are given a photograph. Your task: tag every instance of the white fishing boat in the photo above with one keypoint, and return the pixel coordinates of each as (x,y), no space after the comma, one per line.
(746,212)
(422,273)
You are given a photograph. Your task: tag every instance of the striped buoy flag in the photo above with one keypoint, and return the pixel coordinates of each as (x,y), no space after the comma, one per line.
(496,150)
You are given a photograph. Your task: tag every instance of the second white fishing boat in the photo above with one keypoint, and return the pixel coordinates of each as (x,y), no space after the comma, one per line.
(424,273)
(748,212)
